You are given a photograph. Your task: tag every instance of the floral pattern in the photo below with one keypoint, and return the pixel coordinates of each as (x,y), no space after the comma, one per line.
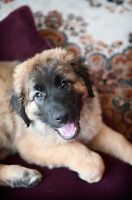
(90,45)
(7,1)
(53,20)
(75,25)
(75,28)
(113,79)
(114,5)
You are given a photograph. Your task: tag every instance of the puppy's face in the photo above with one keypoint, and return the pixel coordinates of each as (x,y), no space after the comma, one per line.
(51,87)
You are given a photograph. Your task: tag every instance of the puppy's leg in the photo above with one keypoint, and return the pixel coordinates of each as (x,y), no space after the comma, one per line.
(113,143)
(74,155)
(17,176)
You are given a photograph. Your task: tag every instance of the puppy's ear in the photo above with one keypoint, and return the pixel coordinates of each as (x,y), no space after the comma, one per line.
(82,71)
(17,105)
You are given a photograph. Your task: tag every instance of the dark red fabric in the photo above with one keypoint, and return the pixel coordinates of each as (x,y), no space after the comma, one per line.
(20,40)
(63,184)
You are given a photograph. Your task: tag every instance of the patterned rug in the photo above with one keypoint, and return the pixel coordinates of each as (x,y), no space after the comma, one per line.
(110,62)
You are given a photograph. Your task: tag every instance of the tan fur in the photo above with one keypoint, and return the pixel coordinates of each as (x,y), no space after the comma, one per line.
(41,144)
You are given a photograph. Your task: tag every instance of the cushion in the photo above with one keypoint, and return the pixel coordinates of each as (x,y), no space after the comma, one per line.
(19,38)
(61,183)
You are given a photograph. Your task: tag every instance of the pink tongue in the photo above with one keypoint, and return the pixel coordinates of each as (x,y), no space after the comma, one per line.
(68,129)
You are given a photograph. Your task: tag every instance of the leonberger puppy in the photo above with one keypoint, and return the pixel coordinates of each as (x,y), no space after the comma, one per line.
(51,116)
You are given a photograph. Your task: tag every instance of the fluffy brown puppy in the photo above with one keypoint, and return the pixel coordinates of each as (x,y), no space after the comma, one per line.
(53,120)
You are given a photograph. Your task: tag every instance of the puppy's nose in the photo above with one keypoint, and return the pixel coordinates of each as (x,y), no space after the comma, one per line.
(61,117)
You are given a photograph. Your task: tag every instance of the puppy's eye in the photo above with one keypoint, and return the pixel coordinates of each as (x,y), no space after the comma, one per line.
(64,84)
(38,94)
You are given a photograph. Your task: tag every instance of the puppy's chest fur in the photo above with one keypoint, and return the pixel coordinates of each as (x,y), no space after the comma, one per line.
(90,119)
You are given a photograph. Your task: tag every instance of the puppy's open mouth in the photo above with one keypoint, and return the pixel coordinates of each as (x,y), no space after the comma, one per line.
(69,131)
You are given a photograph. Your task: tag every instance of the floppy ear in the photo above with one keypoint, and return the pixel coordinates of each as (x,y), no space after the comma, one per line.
(17,105)
(82,71)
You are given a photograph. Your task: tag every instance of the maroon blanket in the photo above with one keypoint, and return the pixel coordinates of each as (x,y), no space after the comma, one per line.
(20,40)
(18,36)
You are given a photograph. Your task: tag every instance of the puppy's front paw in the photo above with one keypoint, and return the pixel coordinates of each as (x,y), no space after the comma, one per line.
(17,176)
(93,171)
(30,178)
